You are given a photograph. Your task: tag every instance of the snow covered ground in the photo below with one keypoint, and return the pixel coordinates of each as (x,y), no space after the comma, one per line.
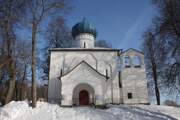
(46,111)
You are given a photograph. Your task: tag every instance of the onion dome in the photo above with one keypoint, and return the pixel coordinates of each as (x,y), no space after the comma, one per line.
(84,27)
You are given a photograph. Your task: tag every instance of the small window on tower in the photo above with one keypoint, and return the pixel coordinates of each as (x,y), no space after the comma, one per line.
(136,61)
(127,62)
(129,95)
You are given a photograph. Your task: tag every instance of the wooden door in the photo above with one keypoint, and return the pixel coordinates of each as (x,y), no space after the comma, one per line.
(83,97)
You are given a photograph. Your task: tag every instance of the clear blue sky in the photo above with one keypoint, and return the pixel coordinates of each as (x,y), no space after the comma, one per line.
(120,22)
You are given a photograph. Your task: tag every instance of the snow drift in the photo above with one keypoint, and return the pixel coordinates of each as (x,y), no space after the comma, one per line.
(46,111)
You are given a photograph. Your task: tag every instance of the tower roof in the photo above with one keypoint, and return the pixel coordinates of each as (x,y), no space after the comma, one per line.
(84,27)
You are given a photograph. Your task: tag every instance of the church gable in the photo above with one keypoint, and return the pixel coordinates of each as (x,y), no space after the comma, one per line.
(132,50)
(84,67)
(132,58)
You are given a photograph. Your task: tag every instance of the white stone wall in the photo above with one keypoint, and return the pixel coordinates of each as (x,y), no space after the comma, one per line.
(106,91)
(99,60)
(89,77)
(84,40)
(134,79)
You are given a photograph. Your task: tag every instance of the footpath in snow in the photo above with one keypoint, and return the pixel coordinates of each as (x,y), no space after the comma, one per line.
(45,111)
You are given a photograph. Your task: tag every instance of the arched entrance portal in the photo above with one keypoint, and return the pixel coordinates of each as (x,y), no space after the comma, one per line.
(83,94)
(83,97)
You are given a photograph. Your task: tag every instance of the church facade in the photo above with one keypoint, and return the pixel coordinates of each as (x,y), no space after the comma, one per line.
(85,74)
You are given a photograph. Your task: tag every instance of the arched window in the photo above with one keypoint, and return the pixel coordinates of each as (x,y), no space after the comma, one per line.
(127,62)
(136,61)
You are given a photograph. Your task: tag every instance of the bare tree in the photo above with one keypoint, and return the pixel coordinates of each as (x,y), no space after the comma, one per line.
(58,36)
(168,26)
(103,43)
(10,12)
(37,12)
(23,62)
(155,54)
(162,46)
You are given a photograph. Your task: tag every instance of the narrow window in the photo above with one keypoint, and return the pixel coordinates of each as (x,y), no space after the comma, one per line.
(107,74)
(120,83)
(136,61)
(129,95)
(84,45)
(61,72)
(127,62)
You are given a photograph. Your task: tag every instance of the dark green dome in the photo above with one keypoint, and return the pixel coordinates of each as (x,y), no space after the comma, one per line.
(84,27)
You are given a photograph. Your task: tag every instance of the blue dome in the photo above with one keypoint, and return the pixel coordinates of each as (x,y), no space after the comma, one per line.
(83,27)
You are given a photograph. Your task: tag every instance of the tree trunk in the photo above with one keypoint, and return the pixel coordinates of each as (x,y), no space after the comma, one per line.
(4,63)
(157,93)
(0,77)
(16,91)
(22,90)
(33,67)
(12,81)
(9,50)
(156,84)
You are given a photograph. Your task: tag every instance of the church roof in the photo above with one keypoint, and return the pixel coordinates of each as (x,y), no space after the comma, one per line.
(85,49)
(84,27)
(88,66)
(132,49)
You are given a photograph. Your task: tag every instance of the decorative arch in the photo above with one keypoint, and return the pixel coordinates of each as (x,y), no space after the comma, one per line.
(83,87)
(127,61)
(92,58)
(136,61)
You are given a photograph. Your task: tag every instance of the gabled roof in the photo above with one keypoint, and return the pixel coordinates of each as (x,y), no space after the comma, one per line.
(87,65)
(133,50)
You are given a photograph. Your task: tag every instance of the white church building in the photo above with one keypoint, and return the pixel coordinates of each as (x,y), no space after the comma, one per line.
(85,74)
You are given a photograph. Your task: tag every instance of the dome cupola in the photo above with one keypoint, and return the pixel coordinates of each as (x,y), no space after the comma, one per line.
(84,34)
(84,27)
